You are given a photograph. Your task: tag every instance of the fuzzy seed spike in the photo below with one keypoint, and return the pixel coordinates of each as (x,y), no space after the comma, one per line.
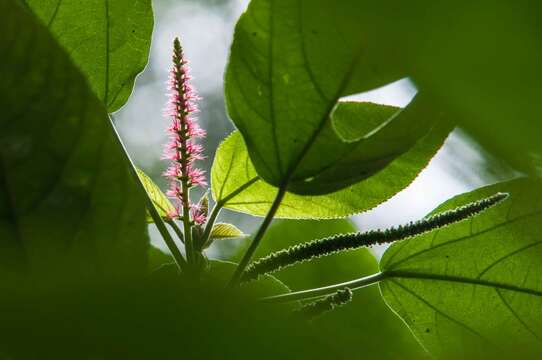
(321,306)
(342,242)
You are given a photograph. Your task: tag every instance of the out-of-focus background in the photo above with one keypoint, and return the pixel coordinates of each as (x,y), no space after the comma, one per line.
(205,28)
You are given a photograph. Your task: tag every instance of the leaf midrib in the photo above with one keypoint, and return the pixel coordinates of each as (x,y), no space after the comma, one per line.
(397,274)
(327,113)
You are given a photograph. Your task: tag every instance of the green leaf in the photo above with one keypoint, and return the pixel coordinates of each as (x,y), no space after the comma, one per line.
(347,124)
(332,164)
(365,323)
(108,40)
(235,183)
(158,198)
(68,203)
(288,67)
(473,289)
(482,66)
(225,231)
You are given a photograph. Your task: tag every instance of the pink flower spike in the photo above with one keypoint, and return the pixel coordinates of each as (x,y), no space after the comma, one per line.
(194,149)
(198,216)
(173,171)
(173,214)
(197,177)
(174,191)
(181,150)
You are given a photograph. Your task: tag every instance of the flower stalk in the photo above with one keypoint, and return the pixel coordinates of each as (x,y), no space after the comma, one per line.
(182,150)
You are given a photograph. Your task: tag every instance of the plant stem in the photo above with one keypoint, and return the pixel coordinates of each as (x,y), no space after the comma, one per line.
(219,205)
(211,222)
(170,243)
(185,195)
(322,291)
(176,229)
(186,223)
(258,237)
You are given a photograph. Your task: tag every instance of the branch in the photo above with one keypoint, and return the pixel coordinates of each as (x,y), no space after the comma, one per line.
(258,237)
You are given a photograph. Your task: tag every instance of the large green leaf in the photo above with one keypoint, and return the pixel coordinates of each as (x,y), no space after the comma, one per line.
(235,183)
(67,200)
(332,164)
(365,323)
(288,67)
(108,39)
(474,288)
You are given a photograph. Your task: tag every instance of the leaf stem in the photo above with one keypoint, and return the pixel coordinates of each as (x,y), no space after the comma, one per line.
(258,237)
(220,204)
(176,229)
(211,222)
(326,290)
(170,243)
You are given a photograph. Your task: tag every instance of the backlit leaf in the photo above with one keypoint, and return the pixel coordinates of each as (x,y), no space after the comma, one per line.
(234,182)
(225,231)
(109,40)
(474,289)
(288,67)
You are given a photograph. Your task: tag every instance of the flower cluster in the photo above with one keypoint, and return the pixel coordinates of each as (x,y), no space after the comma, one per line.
(182,150)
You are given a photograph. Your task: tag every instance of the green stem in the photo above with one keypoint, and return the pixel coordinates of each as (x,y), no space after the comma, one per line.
(258,237)
(170,243)
(176,229)
(220,204)
(322,291)
(186,223)
(211,222)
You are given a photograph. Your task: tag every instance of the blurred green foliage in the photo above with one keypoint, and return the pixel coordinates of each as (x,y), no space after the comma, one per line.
(68,204)
(480,60)
(363,328)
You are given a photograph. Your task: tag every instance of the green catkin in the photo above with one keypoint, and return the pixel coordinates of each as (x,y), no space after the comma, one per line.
(321,306)
(327,246)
